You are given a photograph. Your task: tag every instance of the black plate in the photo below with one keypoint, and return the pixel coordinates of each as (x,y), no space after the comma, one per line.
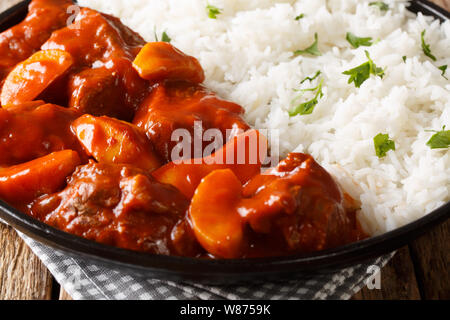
(220,271)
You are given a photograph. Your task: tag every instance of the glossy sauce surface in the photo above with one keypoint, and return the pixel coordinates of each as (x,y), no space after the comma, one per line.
(299,201)
(22,40)
(117,205)
(179,105)
(104,50)
(28,132)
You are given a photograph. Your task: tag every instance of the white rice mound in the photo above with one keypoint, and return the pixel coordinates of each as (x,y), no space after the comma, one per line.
(247,54)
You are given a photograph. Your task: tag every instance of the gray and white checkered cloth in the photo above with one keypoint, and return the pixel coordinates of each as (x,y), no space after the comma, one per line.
(84,280)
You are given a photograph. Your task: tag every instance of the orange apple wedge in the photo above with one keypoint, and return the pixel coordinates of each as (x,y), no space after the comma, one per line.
(32,76)
(217,225)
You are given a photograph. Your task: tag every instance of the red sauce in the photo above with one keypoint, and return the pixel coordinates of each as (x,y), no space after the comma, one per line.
(22,40)
(99,165)
(299,202)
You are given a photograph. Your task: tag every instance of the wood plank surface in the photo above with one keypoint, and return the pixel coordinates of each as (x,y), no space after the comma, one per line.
(22,275)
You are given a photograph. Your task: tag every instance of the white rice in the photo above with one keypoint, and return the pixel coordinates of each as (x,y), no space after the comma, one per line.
(247,54)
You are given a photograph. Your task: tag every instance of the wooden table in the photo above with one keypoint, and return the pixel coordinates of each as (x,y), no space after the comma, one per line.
(418,271)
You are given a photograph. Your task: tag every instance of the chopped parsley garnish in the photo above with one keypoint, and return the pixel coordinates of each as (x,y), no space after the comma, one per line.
(308,106)
(357,42)
(213,11)
(312,49)
(361,73)
(443,69)
(426,47)
(404,58)
(440,140)
(164,37)
(300,16)
(383,144)
(311,79)
(380,4)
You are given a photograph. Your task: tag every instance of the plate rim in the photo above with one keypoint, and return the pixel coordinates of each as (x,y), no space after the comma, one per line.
(182,267)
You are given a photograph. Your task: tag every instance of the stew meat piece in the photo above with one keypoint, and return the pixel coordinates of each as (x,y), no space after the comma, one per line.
(96,37)
(120,206)
(178,105)
(22,40)
(30,131)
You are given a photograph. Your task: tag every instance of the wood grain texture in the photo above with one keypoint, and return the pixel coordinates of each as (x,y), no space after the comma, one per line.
(22,275)
(443,3)
(63,295)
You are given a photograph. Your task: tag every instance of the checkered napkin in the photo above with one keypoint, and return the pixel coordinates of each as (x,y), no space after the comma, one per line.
(84,280)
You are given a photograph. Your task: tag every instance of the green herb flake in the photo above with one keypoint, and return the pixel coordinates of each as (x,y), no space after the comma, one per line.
(311,79)
(357,42)
(361,73)
(312,50)
(308,106)
(426,47)
(380,4)
(300,16)
(443,69)
(440,140)
(213,11)
(383,144)
(165,37)
(404,59)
